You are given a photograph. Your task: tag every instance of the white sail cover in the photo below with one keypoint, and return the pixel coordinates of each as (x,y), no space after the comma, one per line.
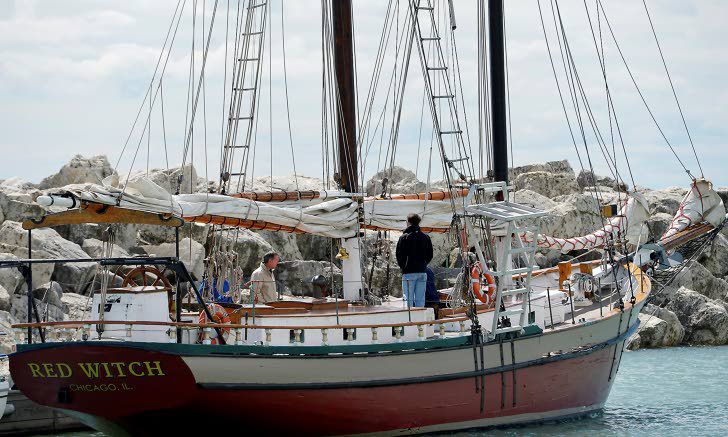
(328,215)
(701,203)
(627,224)
(333,214)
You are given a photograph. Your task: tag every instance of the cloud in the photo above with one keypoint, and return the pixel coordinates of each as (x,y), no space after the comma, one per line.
(72,75)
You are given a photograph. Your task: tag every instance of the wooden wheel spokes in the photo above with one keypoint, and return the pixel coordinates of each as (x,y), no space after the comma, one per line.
(146,276)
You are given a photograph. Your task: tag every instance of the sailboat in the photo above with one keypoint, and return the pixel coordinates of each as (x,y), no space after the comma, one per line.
(516,345)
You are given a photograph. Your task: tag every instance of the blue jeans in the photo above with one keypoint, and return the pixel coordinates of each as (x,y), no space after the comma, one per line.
(413,288)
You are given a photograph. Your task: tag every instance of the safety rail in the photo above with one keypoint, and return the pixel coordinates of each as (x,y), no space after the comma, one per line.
(84,327)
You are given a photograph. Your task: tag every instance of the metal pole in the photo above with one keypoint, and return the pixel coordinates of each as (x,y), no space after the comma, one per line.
(498,92)
(571,303)
(599,295)
(178,294)
(29,283)
(252,296)
(551,313)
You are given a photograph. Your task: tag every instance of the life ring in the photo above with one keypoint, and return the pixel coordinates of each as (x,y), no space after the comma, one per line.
(219,316)
(477,277)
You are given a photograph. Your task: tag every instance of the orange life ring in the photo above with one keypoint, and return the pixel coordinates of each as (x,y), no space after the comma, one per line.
(477,277)
(219,315)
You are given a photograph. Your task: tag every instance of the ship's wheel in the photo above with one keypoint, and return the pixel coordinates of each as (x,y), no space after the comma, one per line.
(146,276)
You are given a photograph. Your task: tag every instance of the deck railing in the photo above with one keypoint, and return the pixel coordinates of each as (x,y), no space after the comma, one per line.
(82,330)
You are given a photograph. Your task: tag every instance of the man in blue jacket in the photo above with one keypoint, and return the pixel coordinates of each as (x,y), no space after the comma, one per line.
(414,252)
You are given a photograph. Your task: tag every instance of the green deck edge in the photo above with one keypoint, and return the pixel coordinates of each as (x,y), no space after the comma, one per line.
(233,350)
(237,350)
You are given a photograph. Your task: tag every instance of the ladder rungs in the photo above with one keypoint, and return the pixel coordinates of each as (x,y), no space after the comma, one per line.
(236,147)
(258,5)
(253,33)
(425,8)
(510,272)
(250,117)
(437,68)
(248,59)
(512,312)
(514,292)
(446,96)
(450,132)
(243,89)
(430,38)
(237,174)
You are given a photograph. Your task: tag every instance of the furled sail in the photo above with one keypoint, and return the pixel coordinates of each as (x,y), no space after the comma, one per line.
(700,204)
(627,224)
(329,213)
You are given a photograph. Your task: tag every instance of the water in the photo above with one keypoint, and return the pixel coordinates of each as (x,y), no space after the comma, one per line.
(660,392)
(663,392)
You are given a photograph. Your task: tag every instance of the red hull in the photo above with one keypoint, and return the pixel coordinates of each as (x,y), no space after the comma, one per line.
(173,402)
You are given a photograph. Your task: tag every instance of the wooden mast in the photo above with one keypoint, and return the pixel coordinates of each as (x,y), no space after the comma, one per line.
(498,90)
(345,97)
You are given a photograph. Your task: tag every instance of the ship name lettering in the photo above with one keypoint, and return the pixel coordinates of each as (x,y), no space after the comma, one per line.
(97,370)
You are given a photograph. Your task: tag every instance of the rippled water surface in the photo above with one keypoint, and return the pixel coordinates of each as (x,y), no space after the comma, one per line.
(665,392)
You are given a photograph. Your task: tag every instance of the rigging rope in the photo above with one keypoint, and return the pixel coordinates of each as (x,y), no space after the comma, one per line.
(639,91)
(672,86)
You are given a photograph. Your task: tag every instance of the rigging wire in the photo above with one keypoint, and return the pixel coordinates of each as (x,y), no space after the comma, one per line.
(672,86)
(558,86)
(639,91)
(198,88)
(164,128)
(610,104)
(288,109)
(156,68)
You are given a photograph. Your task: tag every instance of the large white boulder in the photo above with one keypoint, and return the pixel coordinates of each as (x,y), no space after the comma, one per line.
(547,184)
(715,258)
(705,320)
(11,278)
(659,327)
(95,249)
(284,243)
(697,277)
(285,183)
(80,170)
(76,306)
(533,199)
(399,180)
(47,311)
(315,247)
(573,215)
(294,277)
(666,200)
(47,243)
(18,206)
(125,235)
(169,179)
(4,299)
(249,246)
(562,166)
(191,253)
(7,335)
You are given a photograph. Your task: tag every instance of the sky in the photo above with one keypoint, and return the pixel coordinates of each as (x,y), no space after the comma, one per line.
(74,73)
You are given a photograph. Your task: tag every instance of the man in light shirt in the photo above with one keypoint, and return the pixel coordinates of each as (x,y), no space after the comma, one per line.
(262,281)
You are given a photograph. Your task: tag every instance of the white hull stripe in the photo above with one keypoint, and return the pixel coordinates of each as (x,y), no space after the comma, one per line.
(420,379)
